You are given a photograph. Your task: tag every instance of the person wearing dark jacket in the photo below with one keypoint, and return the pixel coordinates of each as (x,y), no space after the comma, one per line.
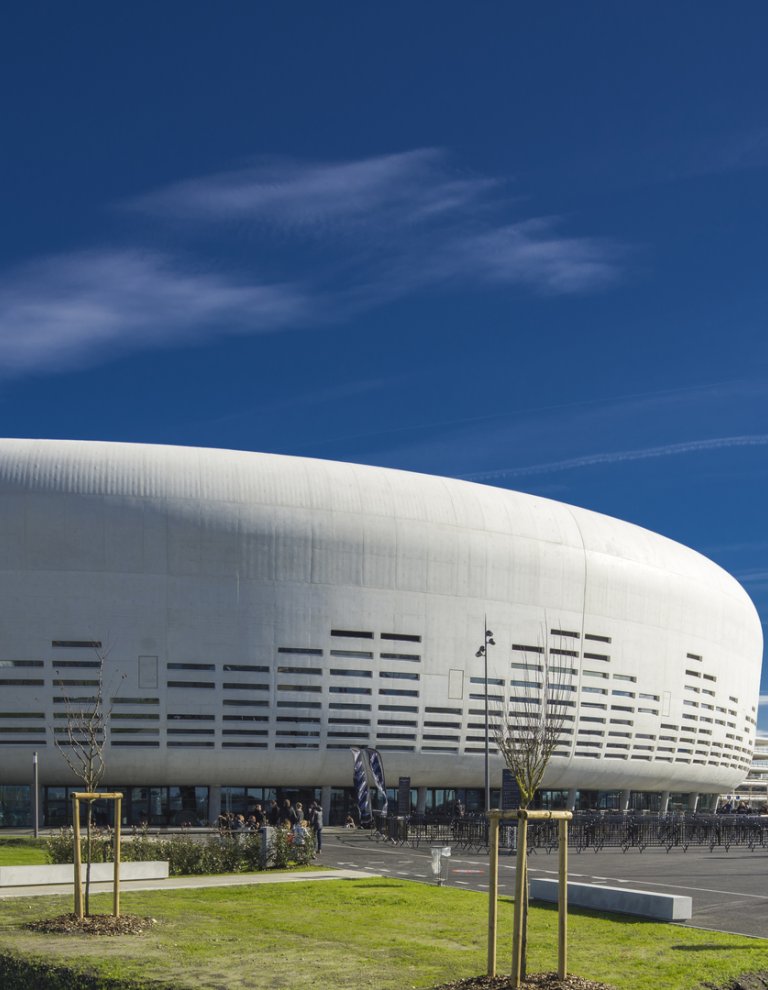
(316,824)
(288,813)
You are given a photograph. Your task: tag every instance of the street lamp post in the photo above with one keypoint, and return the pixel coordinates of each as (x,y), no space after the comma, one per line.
(35,797)
(483,652)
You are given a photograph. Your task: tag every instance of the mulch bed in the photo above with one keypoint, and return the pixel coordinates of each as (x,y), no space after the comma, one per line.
(747,981)
(550,981)
(96,924)
(534,981)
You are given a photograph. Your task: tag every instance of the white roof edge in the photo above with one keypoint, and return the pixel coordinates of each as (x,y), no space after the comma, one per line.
(96,467)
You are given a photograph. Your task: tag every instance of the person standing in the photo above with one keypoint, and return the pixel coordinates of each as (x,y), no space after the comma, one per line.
(316,823)
(288,813)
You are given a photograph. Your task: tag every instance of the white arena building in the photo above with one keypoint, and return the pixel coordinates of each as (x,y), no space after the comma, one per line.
(261,614)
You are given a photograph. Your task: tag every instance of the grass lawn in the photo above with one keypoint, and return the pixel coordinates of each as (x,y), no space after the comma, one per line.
(22,852)
(377,933)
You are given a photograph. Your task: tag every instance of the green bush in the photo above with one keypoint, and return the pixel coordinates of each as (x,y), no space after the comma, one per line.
(188,855)
(141,848)
(286,851)
(60,846)
(250,850)
(185,857)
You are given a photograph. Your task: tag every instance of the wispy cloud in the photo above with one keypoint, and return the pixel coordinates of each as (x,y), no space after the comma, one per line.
(531,252)
(753,545)
(712,153)
(743,149)
(405,188)
(684,155)
(763,700)
(406,220)
(549,442)
(73,308)
(325,241)
(586,413)
(299,404)
(758,576)
(618,456)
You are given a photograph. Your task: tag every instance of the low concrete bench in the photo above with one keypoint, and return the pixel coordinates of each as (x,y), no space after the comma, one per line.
(619,900)
(35,876)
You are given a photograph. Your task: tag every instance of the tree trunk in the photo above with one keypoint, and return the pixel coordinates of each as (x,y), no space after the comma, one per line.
(524,951)
(88,856)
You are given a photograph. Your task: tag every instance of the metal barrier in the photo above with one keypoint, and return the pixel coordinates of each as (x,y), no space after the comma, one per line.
(589,832)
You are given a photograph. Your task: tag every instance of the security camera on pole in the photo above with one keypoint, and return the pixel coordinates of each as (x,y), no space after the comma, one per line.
(483,652)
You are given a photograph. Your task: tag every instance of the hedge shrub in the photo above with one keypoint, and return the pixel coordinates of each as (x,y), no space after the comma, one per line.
(187,855)
(17,973)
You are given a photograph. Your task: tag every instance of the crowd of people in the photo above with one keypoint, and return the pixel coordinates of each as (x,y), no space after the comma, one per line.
(733,807)
(288,816)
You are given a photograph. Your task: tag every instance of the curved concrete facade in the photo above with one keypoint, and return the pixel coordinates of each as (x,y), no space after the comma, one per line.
(260,614)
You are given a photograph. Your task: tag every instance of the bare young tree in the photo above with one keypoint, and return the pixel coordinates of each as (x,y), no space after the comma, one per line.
(81,744)
(529,732)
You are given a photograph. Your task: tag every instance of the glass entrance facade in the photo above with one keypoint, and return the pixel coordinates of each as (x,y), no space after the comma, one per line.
(15,806)
(154,806)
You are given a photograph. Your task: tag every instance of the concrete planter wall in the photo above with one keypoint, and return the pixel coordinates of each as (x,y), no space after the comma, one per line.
(34,876)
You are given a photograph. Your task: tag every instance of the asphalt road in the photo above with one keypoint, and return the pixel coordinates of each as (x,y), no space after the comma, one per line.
(729,890)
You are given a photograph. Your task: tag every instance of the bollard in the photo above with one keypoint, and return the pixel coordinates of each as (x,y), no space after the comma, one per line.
(266,833)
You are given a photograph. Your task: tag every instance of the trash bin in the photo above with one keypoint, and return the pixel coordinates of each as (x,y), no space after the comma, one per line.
(439,865)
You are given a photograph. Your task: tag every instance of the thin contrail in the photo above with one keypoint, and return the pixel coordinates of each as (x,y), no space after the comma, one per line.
(616,456)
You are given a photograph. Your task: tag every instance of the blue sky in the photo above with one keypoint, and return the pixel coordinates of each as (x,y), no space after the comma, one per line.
(521,244)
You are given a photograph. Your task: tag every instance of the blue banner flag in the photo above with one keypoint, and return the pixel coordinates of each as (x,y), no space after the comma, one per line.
(360,783)
(377,772)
